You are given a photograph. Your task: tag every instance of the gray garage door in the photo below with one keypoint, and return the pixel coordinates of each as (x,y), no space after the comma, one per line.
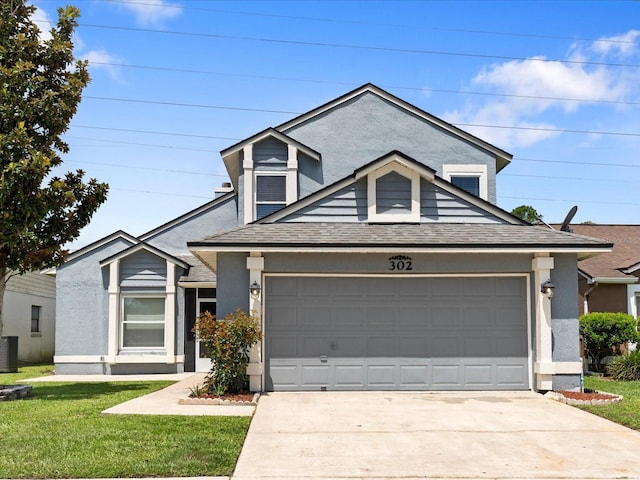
(375,333)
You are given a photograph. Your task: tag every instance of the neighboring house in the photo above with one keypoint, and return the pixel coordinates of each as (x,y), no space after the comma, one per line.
(28,313)
(377,259)
(609,282)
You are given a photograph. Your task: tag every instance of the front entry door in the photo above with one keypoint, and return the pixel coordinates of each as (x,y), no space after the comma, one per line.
(203,362)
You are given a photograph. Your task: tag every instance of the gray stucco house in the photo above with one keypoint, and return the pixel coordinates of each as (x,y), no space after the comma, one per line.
(379,260)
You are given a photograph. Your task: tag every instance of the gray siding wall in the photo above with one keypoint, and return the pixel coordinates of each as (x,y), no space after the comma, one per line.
(564,314)
(379,263)
(349,204)
(143,270)
(221,217)
(82,306)
(368,127)
(233,283)
(33,283)
(393,194)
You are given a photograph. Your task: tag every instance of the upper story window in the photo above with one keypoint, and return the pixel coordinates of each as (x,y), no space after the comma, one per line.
(271,193)
(470,178)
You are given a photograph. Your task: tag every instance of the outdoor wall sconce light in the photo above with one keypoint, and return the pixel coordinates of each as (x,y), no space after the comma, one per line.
(547,288)
(254,289)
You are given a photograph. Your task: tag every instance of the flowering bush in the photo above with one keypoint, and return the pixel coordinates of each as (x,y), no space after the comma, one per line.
(228,341)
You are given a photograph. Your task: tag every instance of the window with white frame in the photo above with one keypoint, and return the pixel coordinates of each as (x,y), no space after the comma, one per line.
(470,178)
(35,318)
(271,193)
(143,321)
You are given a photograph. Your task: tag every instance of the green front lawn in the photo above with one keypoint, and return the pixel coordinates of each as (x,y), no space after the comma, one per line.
(625,413)
(60,433)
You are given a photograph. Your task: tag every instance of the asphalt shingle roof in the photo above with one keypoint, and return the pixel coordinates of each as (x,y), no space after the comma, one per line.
(625,254)
(424,235)
(198,272)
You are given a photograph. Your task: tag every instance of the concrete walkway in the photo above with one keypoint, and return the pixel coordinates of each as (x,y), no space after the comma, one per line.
(409,436)
(162,402)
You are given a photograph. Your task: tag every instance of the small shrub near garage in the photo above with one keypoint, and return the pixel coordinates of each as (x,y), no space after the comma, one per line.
(605,332)
(229,342)
(625,367)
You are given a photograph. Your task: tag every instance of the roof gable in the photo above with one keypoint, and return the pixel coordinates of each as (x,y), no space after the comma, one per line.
(231,155)
(140,246)
(502,157)
(392,162)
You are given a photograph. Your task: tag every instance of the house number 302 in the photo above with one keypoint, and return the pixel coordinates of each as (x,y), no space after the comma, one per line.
(400,263)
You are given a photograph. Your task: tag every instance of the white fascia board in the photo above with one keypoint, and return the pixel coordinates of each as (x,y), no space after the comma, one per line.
(385,164)
(629,270)
(210,259)
(182,218)
(149,248)
(103,241)
(614,280)
(197,284)
(198,251)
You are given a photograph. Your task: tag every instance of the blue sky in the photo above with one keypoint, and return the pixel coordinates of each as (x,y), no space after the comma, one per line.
(555,83)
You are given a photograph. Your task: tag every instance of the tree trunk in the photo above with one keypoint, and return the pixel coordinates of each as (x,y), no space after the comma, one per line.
(4,278)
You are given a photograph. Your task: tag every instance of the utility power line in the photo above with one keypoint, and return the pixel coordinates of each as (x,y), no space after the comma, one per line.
(354,47)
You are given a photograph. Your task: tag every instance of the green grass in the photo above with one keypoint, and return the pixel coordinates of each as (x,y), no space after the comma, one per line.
(60,433)
(625,413)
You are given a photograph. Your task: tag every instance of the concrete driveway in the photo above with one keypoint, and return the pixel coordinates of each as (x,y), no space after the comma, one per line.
(488,435)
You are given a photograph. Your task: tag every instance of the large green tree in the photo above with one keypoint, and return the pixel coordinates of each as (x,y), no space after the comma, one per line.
(527,213)
(41,86)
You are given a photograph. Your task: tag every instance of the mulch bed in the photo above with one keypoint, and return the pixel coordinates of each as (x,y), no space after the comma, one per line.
(232,397)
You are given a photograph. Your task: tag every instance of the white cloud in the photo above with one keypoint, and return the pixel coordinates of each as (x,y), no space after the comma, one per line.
(152,12)
(623,45)
(44,23)
(101,59)
(542,90)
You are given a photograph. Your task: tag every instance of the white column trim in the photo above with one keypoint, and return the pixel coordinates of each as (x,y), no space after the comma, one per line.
(542,266)
(170,313)
(114,312)
(247,166)
(292,174)
(255,265)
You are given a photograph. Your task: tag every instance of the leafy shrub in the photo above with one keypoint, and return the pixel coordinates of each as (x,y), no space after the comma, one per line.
(625,367)
(228,341)
(605,332)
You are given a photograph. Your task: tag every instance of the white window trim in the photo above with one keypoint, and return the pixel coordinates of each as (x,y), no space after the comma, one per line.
(633,295)
(372,195)
(269,173)
(121,323)
(114,342)
(474,170)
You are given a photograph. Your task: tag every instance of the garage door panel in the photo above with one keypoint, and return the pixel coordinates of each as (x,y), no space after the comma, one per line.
(414,346)
(348,287)
(349,375)
(510,375)
(415,376)
(381,375)
(477,316)
(396,333)
(445,316)
(347,316)
(409,316)
(446,376)
(380,315)
(478,376)
(476,287)
(283,317)
(381,345)
(508,315)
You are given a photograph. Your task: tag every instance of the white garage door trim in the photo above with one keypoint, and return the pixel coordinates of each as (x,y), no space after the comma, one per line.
(525,276)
